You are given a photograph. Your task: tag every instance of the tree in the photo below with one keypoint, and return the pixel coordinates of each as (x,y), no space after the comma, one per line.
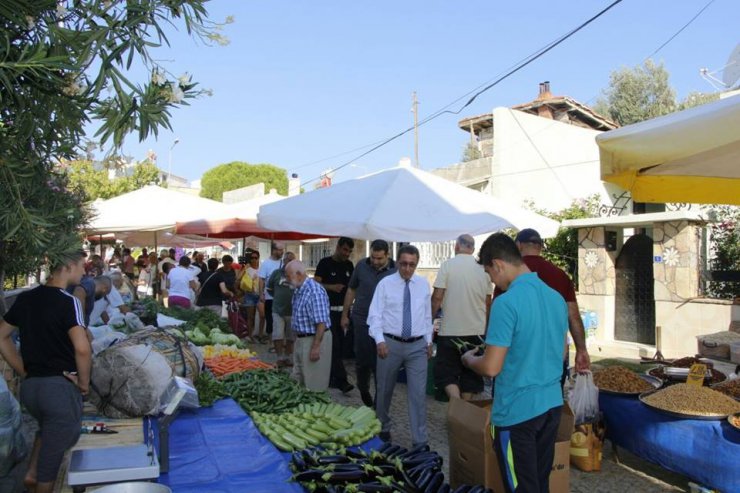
(62,64)
(94,183)
(237,174)
(696,98)
(562,250)
(471,152)
(725,248)
(637,94)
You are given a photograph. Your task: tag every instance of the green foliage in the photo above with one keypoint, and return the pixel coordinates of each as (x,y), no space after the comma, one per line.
(643,92)
(471,152)
(562,250)
(237,174)
(637,94)
(62,64)
(696,98)
(95,183)
(725,249)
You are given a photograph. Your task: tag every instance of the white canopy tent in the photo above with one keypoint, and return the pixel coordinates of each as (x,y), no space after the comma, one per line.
(151,208)
(399,204)
(689,156)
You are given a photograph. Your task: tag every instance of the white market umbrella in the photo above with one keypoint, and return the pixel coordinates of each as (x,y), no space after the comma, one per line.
(399,204)
(690,156)
(150,208)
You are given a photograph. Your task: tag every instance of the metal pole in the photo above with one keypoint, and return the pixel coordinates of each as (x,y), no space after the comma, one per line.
(169,166)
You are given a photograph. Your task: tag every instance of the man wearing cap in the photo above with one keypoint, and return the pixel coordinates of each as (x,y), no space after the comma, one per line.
(529,242)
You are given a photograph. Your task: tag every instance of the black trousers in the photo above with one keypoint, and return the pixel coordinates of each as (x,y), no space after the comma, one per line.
(525,452)
(268,316)
(366,353)
(338,375)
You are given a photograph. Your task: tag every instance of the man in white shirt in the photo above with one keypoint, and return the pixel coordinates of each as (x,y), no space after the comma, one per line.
(400,321)
(277,248)
(463,291)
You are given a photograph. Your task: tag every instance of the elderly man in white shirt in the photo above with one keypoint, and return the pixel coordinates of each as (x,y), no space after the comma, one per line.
(400,321)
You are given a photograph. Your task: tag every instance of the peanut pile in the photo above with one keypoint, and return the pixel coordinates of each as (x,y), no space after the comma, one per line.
(620,379)
(694,401)
(729,387)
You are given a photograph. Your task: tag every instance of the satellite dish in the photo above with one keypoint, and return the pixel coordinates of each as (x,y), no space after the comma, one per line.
(731,72)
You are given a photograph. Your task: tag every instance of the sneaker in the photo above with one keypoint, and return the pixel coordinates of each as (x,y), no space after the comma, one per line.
(346,387)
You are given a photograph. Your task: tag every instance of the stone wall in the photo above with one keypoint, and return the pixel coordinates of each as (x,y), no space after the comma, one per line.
(596,274)
(677,248)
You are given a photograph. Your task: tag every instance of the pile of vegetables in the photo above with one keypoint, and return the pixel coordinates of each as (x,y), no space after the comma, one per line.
(193,318)
(391,468)
(224,350)
(209,389)
(269,391)
(201,335)
(146,309)
(225,365)
(325,424)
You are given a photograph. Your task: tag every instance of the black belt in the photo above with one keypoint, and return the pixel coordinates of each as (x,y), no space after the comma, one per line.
(304,334)
(402,339)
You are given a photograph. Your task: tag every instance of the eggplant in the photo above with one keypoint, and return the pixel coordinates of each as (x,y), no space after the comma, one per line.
(309,475)
(464,488)
(424,478)
(477,489)
(343,476)
(433,485)
(356,454)
(384,447)
(430,464)
(416,450)
(420,459)
(391,450)
(333,459)
(445,488)
(298,461)
(374,486)
(309,458)
(399,452)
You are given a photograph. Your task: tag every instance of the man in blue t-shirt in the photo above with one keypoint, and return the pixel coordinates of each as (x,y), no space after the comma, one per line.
(524,351)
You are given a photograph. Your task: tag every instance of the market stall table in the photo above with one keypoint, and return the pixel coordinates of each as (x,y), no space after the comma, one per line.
(705,451)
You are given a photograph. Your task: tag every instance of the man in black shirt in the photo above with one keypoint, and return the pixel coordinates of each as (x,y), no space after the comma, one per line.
(55,360)
(365,278)
(212,288)
(334,273)
(228,273)
(198,261)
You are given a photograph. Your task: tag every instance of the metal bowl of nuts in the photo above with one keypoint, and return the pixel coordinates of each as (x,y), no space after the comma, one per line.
(690,402)
(734,420)
(619,380)
(729,387)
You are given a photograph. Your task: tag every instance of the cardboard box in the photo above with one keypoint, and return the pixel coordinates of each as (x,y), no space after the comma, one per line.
(472,459)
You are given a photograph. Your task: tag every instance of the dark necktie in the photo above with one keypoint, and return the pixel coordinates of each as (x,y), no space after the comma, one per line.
(406,324)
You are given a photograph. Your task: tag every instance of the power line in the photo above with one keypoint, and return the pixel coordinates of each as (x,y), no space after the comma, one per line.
(680,30)
(517,67)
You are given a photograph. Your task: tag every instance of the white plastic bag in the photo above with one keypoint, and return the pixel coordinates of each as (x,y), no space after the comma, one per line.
(584,399)
(13,447)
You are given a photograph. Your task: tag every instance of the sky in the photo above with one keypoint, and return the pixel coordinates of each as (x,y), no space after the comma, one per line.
(302,83)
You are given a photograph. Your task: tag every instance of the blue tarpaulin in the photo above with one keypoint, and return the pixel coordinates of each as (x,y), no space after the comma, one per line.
(705,451)
(220,450)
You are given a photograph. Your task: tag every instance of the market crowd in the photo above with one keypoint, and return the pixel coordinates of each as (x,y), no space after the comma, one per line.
(379,310)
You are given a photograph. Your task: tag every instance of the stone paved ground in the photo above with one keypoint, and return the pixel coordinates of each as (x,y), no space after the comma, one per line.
(632,474)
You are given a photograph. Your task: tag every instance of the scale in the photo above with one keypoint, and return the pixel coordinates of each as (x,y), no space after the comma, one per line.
(107,465)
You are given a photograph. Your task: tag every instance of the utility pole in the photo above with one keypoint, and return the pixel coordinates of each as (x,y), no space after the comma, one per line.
(415,110)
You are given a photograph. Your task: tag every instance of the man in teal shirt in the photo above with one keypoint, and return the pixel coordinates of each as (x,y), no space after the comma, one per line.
(524,351)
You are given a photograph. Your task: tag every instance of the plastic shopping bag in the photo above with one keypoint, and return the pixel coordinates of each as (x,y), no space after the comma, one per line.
(584,399)
(13,447)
